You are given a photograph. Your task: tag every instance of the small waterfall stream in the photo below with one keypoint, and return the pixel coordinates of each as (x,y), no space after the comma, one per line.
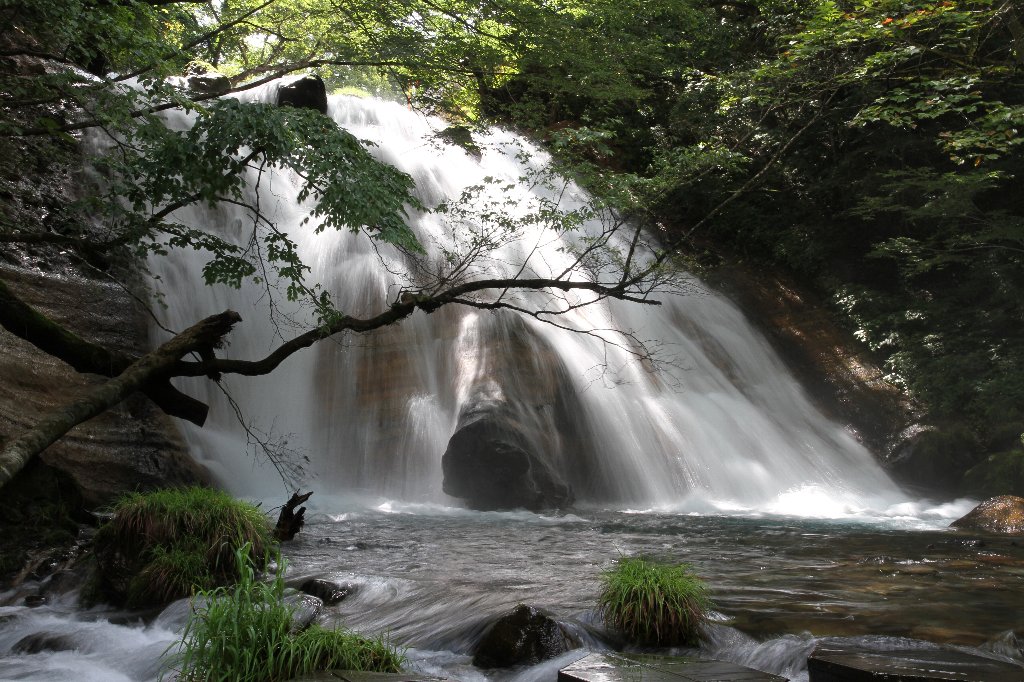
(725,427)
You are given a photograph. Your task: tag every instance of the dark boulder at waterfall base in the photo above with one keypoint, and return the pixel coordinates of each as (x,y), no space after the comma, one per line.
(524,636)
(491,464)
(1003,514)
(308,92)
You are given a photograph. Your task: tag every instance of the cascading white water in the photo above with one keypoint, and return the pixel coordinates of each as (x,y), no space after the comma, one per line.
(727,429)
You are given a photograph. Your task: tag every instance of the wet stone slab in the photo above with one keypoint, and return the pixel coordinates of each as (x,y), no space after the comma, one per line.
(353,676)
(631,668)
(832,663)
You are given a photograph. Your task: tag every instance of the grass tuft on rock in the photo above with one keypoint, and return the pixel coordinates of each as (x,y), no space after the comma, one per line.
(244,633)
(653,603)
(163,545)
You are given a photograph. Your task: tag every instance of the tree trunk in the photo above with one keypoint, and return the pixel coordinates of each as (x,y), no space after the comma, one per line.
(290,522)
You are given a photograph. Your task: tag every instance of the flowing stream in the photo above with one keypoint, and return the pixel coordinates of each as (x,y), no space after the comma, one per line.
(720,459)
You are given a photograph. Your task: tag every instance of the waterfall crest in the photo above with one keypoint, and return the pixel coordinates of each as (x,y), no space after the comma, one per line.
(725,427)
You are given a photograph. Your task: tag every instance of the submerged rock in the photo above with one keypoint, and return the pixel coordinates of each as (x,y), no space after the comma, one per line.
(1003,514)
(524,636)
(308,92)
(306,610)
(330,593)
(38,642)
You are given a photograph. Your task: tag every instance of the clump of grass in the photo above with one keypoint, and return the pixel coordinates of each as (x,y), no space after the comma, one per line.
(655,604)
(162,545)
(244,633)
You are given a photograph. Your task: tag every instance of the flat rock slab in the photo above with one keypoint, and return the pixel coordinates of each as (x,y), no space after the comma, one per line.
(632,668)
(830,663)
(354,676)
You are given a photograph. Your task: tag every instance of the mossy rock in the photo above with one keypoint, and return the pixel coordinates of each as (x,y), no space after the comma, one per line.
(999,474)
(163,545)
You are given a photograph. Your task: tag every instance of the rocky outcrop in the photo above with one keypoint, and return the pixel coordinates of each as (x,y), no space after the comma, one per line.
(496,460)
(522,436)
(210,83)
(132,447)
(307,92)
(1003,514)
(524,636)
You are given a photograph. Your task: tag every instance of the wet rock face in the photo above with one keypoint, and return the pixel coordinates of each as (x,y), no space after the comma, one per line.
(1003,514)
(306,609)
(308,92)
(525,636)
(131,447)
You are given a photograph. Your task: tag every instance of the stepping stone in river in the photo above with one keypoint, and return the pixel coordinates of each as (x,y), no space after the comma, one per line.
(354,676)
(838,663)
(609,667)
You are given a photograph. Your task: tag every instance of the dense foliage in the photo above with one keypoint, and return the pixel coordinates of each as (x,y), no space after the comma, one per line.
(166,544)
(654,603)
(245,633)
(871,148)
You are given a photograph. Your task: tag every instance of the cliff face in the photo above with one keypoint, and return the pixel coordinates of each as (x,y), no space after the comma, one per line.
(132,447)
(844,380)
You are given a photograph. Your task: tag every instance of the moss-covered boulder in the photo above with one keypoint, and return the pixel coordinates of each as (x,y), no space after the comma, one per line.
(1003,514)
(163,545)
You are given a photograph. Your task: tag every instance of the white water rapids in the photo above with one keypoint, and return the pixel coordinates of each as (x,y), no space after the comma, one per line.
(725,428)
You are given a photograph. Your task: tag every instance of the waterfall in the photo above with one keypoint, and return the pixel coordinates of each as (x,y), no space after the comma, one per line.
(725,427)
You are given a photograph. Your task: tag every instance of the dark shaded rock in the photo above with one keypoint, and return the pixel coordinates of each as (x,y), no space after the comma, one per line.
(525,636)
(523,438)
(1001,473)
(493,463)
(38,642)
(210,83)
(308,92)
(1003,514)
(34,600)
(326,591)
(306,610)
(935,459)
(133,447)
